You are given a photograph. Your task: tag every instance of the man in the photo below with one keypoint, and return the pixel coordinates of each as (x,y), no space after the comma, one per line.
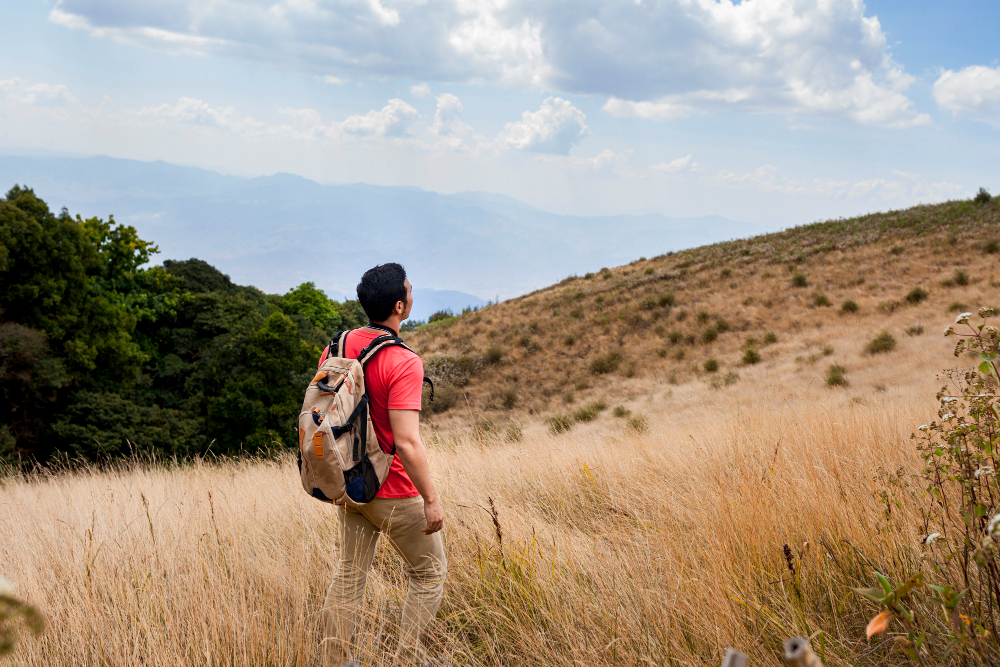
(407,509)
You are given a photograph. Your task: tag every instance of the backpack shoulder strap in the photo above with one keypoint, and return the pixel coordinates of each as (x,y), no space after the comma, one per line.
(337,344)
(380,344)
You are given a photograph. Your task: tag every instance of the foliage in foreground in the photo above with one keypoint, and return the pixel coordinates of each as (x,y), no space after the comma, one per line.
(103,356)
(951,610)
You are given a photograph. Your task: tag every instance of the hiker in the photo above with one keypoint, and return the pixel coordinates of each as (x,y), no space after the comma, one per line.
(406,508)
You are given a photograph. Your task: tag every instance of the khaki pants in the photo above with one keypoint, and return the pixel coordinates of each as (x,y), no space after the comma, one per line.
(402,521)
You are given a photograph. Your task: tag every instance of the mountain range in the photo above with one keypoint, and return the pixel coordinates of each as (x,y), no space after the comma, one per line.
(277,231)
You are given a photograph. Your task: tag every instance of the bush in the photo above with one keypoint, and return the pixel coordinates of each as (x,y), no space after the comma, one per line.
(799,280)
(957,307)
(835,376)
(665,299)
(440,315)
(590,412)
(820,300)
(620,411)
(560,424)
(916,295)
(915,330)
(709,335)
(569,340)
(508,398)
(605,363)
(649,303)
(710,365)
(884,342)
(751,356)
(637,423)
(991,247)
(982,197)
(770,338)
(849,306)
(675,337)
(445,397)
(493,355)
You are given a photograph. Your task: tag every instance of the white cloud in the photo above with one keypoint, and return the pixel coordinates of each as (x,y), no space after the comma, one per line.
(913,189)
(333,80)
(685,163)
(654,59)
(395,119)
(606,159)
(39,94)
(420,90)
(973,90)
(663,110)
(554,128)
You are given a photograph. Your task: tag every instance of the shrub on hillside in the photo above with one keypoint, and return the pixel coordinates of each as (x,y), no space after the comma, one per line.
(590,412)
(559,424)
(956,307)
(710,365)
(982,197)
(992,247)
(440,316)
(848,307)
(493,355)
(665,300)
(709,335)
(605,363)
(770,338)
(884,342)
(799,280)
(820,300)
(751,356)
(836,376)
(620,411)
(637,423)
(915,330)
(916,295)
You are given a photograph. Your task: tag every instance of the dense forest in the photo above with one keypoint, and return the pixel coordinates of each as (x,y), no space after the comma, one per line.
(103,355)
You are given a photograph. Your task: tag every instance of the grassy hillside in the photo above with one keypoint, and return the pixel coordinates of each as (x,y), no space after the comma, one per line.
(709,314)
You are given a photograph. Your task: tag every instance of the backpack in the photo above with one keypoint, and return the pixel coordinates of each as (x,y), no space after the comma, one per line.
(340,458)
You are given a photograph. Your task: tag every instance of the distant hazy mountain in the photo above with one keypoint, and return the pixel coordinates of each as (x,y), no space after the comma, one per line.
(278,231)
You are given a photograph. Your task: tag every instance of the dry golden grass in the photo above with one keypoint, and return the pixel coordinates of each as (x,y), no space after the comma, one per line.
(617,548)
(875,261)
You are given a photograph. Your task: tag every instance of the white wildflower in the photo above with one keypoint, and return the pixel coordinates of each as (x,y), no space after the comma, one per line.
(963,318)
(947,417)
(986,311)
(993,529)
(932,538)
(949,331)
(7,588)
(985,470)
(922,427)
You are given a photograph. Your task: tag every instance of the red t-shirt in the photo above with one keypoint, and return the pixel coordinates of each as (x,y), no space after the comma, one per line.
(393,380)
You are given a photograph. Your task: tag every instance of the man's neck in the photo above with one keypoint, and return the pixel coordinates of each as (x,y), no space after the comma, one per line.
(388,324)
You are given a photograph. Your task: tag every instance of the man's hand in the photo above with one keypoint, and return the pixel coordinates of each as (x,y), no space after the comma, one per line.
(434,514)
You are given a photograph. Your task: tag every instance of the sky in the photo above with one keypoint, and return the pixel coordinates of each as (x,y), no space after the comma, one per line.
(766,111)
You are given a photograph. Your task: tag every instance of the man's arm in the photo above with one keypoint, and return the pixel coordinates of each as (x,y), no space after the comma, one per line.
(412,453)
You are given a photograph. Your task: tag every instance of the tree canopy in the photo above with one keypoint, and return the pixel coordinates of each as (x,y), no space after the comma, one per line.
(103,355)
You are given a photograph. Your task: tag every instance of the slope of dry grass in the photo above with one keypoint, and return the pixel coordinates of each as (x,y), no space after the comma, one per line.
(666,316)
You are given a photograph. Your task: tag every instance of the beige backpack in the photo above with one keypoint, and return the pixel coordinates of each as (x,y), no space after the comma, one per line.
(340,458)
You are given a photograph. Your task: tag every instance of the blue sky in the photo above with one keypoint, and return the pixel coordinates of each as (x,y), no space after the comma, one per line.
(770,111)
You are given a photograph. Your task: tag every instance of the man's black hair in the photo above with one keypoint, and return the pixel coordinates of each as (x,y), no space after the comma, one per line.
(379,290)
